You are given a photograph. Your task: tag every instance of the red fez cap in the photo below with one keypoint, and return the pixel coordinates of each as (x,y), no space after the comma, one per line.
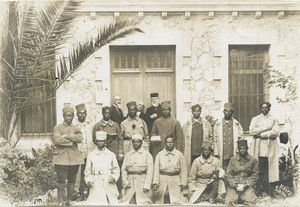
(68,108)
(242,143)
(152,95)
(131,103)
(166,104)
(206,144)
(80,107)
(196,106)
(228,106)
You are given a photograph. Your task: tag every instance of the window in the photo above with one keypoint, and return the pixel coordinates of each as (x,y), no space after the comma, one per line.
(39,120)
(246,80)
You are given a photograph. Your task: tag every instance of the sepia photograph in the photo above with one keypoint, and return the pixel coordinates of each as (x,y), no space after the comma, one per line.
(149,102)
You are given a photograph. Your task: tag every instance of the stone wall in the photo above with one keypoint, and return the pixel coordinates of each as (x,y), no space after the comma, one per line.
(201,59)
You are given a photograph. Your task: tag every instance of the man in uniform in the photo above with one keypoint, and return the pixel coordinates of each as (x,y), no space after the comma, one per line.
(66,156)
(170,174)
(204,176)
(166,126)
(241,175)
(154,111)
(133,125)
(116,111)
(226,134)
(195,131)
(101,173)
(86,145)
(265,148)
(137,174)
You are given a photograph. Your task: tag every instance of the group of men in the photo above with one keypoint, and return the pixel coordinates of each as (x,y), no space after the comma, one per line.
(150,158)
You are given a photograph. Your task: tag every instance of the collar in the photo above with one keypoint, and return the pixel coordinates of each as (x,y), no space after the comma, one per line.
(98,152)
(138,151)
(166,152)
(65,124)
(104,123)
(239,157)
(265,116)
(208,160)
(134,118)
(115,105)
(229,123)
(197,120)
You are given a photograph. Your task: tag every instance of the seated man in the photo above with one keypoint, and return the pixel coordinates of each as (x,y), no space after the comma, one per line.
(241,175)
(203,177)
(137,174)
(170,174)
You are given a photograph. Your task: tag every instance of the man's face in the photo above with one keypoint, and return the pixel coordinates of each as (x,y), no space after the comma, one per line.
(100,144)
(155,101)
(117,100)
(132,111)
(206,152)
(196,113)
(140,107)
(243,151)
(170,144)
(81,115)
(106,115)
(136,143)
(265,109)
(68,117)
(166,112)
(228,114)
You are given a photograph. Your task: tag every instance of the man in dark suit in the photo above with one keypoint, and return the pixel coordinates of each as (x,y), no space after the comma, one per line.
(140,111)
(153,112)
(116,111)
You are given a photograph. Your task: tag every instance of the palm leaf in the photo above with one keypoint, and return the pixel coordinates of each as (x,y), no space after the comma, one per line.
(118,28)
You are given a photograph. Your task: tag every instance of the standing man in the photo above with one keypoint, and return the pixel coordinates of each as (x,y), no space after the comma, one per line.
(114,141)
(166,126)
(66,156)
(226,134)
(101,173)
(170,174)
(154,111)
(116,111)
(195,132)
(140,111)
(86,145)
(204,176)
(264,147)
(137,174)
(133,125)
(241,175)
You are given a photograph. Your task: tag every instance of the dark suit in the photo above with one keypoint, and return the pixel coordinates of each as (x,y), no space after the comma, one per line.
(116,114)
(143,116)
(152,110)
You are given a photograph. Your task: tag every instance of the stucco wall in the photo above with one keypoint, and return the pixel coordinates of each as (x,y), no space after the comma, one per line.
(201,60)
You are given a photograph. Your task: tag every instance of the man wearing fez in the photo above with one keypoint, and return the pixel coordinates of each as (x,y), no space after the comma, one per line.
(116,111)
(114,140)
(195,131)
(226,134)
(66,156)
(137,174)
(241,175)
(166,126)
(170,174)
(264,147)
(204,176)
(101,173)
(133,125)
(86,144)
(154,111)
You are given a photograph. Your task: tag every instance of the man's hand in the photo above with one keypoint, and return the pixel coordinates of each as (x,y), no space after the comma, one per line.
(182,187)
(89,184)
(153,116)
(145,190)
(111,180)
(257,136)
(154,187)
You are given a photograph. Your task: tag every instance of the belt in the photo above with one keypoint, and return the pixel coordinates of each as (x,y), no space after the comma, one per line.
(113,137)
(100,173)
(204,176)
(169,173)
(127,138)
(136,172)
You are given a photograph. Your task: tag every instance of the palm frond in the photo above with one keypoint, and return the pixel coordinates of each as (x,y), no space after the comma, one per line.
(118,28)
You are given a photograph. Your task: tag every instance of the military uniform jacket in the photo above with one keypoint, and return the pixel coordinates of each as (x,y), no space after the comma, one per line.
(66,150)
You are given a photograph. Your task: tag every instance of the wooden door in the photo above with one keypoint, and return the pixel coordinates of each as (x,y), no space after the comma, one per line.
(138,71)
